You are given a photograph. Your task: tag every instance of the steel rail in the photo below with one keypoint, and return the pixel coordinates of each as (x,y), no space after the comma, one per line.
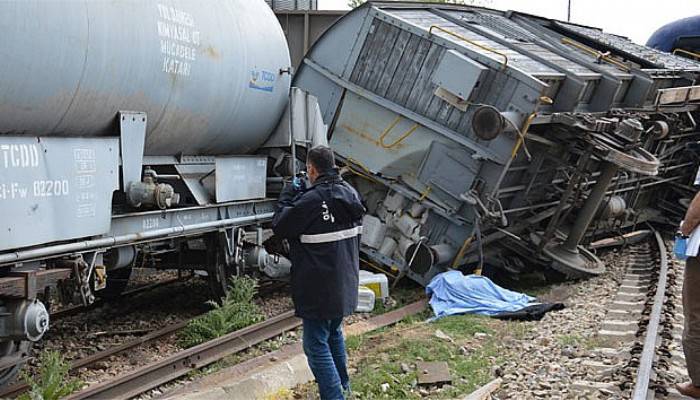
(646,361)
(179,364)
(21,387)
(70,311)
(153,375)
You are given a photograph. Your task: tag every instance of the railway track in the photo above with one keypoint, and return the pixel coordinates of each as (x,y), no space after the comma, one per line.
(73,310)
(184,362)
(652,355)
(639,341)
(76,365)
(153,375)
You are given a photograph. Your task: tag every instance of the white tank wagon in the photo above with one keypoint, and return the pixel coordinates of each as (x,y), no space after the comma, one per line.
(136,130)
(482,138)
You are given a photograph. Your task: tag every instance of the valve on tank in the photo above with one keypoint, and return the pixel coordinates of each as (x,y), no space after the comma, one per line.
(149,193)
(273,265)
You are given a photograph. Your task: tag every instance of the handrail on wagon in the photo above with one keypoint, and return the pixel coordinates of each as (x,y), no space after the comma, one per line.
(599,55)
(688,52)
(401,138)
(481,46)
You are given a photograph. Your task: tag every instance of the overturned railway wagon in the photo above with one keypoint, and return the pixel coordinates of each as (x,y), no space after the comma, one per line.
(485,137)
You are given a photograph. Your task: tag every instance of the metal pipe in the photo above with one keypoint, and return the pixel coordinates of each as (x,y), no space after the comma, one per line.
(112,241)
(573,183)
(615,191)
(293,137)
(686,52)
(590,207)
(533,207)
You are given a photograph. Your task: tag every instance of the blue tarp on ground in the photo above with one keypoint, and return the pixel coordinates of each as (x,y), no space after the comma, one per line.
(453,293)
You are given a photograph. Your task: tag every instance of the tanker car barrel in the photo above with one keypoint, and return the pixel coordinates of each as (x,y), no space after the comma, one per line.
(208,75)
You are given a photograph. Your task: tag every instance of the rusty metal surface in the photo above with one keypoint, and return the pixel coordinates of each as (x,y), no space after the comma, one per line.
(433,372)
(19,286)
(177,365)
(290,350)
(19,388)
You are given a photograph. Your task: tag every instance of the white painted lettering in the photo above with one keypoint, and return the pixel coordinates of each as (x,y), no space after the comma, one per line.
(14,155)
(178,40)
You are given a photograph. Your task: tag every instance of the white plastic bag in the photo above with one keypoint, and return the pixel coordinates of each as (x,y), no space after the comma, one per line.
(693,243)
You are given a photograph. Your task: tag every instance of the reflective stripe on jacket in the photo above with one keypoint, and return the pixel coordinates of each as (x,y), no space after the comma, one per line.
(323,227)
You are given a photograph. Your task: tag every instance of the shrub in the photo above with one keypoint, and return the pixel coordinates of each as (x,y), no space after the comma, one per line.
(53,382)
(237,310)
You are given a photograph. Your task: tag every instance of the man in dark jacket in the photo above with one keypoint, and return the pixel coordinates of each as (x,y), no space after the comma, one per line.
(322,225)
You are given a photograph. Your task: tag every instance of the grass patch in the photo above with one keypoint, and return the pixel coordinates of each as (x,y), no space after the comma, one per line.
(582,342)
(569,340)
(53,382)
(518,329)
(282,394)
(377,358)
(353,343)
(236,311)
(462,326)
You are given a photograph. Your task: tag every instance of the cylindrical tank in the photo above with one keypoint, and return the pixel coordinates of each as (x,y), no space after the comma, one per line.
(666,37)
(212,76)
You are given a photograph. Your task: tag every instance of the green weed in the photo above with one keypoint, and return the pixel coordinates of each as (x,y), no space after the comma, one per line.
(569,340)
(380,365)
(236,311)
(52,382)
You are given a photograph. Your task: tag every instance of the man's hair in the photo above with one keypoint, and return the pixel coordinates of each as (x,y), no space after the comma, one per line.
(321,157)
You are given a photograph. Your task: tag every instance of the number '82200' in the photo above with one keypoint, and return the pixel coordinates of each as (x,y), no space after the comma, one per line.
(49,188)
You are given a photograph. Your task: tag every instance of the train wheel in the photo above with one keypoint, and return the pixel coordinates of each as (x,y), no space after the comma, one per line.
(219,271)
(14,354)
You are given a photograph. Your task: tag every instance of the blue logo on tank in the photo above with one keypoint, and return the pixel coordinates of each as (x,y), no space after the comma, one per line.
(262,80)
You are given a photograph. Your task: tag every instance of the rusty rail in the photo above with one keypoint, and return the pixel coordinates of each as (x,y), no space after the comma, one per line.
(180,364)
(21,387)
(70,311)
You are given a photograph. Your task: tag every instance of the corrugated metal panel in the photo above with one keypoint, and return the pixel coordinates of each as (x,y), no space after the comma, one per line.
(623,44)
(399,65)
(517,37)
(425,19)
(286,5)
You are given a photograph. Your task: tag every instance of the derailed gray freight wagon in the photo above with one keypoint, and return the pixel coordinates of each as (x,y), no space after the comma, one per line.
(485,137)
(137,133)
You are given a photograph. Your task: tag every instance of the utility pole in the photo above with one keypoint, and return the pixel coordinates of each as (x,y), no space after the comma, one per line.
(568,12)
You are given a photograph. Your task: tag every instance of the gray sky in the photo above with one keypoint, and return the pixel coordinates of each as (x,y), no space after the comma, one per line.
(636,19)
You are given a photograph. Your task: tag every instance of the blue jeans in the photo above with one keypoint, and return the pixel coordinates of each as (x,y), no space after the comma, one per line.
(324,347)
